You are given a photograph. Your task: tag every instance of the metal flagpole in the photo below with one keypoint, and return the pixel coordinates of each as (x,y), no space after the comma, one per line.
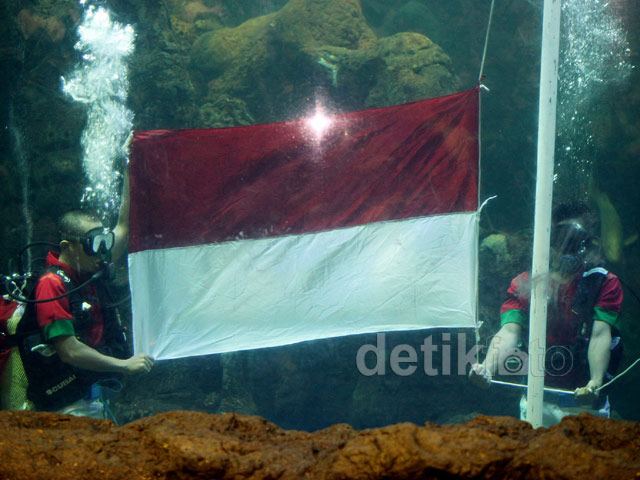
(542,221)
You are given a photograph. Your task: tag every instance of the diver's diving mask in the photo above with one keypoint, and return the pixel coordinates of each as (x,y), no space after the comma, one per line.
(569,240)
(97,241)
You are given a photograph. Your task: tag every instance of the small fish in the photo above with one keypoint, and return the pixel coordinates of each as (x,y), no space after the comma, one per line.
(332,67)
(612,238)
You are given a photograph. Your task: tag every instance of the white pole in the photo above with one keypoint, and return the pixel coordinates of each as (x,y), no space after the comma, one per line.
(544,191)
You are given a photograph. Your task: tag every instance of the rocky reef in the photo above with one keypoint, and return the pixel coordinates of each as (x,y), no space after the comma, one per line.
(219,63)
(187,445)
(275,64)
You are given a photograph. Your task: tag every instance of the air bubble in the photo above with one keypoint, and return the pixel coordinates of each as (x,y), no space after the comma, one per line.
(100,81)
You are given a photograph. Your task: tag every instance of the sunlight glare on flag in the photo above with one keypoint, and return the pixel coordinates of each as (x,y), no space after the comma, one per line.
(319,123)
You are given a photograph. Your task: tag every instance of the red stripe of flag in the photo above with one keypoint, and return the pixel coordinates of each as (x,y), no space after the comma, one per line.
(202,186)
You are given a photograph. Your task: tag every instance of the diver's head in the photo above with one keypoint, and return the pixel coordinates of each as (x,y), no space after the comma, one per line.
(571,236)
(84,242)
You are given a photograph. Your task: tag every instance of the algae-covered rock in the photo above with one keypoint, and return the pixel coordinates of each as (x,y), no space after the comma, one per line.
(277,63)
(314,23)
(225,111)
(251,63)
(398,69)
(270,62)
(416,68)
(306,24)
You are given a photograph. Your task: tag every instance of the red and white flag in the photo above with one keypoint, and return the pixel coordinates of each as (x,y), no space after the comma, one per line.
(267,235)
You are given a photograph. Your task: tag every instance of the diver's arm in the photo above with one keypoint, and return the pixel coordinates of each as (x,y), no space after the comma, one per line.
(598,355)
(599,352)
(122,228)
(79,355)
(503,344)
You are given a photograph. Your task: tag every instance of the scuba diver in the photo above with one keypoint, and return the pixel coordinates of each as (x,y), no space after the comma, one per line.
(70,339)
(583,338)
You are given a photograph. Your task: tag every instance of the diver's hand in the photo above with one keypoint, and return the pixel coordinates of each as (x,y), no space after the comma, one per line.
(588,393)
(480,376)
(139,363)
(127,143)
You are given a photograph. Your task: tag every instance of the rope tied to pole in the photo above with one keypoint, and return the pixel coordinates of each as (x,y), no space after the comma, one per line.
(484,50)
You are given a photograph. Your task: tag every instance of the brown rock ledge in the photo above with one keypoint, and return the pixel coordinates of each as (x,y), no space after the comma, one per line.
(186,445)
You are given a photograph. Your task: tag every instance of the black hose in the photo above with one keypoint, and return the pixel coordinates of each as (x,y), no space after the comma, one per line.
(19,298)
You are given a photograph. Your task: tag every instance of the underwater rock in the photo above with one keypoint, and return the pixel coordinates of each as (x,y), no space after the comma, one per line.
(301,23)
(415,68)
(190,11)
(184,445)
(278,63)
(269,62)
(225,111)
(401,68)
(31,23)
(496,243)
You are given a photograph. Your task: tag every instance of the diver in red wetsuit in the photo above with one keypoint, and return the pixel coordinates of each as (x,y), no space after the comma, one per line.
(583,339)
